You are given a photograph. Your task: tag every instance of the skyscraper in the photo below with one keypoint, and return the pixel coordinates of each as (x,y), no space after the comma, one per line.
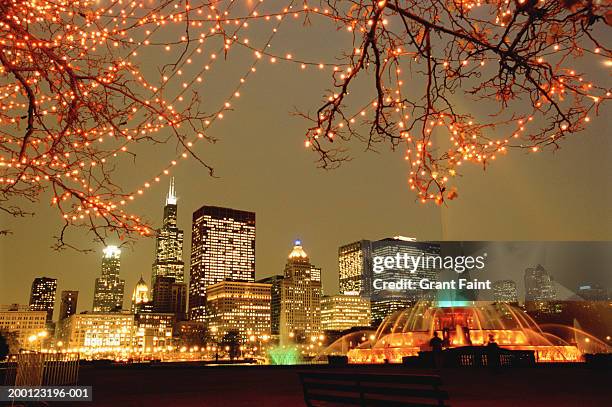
(356,268)
(222,248)
(169,243)
(275,301)
(539,285)
(108,292)
(300,314)
(540,292)
(354,263)
(141,296)
(170,297)
(400,246)
(68,304)
(504,291)
(42,295)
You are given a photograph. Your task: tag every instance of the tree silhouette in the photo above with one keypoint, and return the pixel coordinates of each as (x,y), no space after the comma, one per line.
(232,341)
(74,98)
(4,347)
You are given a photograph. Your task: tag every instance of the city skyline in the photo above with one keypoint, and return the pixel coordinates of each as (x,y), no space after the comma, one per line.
(329,274)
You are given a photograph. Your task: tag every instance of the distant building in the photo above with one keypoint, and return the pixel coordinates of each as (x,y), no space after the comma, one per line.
(504,291)
(109,288)
(140,296)
(98,332)
(169,244)
(341,312)
(23,322)
(222,248)
(384,308)
(275,301)
(540,290)
(592,292)
(239,306)
(42,295)
(300,314)
(153,331)
(68,304)
(354,266)
(170,297)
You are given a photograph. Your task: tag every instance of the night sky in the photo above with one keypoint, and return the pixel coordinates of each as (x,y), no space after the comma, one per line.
(262,166)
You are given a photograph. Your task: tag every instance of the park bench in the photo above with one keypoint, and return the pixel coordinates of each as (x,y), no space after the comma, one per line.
(371,389)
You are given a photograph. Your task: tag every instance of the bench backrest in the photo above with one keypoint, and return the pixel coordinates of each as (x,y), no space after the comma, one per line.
(372,389)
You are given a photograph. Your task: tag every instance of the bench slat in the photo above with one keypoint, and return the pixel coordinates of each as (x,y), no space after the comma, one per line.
(372,389)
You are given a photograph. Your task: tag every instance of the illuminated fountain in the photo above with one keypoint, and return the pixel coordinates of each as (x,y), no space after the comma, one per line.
(407,332)
(282,355)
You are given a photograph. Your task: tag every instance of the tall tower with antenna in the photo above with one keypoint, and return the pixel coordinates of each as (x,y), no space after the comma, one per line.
(169,243)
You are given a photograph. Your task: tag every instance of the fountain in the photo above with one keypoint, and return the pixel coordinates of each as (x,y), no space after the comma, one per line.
(283,355)
(407,332)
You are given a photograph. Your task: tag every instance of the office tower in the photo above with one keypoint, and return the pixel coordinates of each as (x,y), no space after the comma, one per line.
(140,296)
(400,246)
(153,330)
(68,305)
(95,332)
(341,312)
(354,266)
(42,295)
(540,292)
(170,297)
(300,315)
(539,285)
(108,292)
(504,291)
(169,243)
(24,322)
(275,301)
(386,307)
(238,306)
(222,248)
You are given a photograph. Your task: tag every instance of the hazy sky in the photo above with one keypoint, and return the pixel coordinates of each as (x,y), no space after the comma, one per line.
(262,166)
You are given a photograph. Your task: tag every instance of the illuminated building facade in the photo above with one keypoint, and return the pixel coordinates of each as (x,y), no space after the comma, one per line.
(22,321)
(42,295)
(401,246)
(68,304)
(98,332)
(504,291)
(109,288)
(383,308)
(300,313)
(354,266)
(275,301)
(356,273)
(222,247)
(340,312)
(153,331)
(169,243)
(170,297)
(239,306)
(140,296)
